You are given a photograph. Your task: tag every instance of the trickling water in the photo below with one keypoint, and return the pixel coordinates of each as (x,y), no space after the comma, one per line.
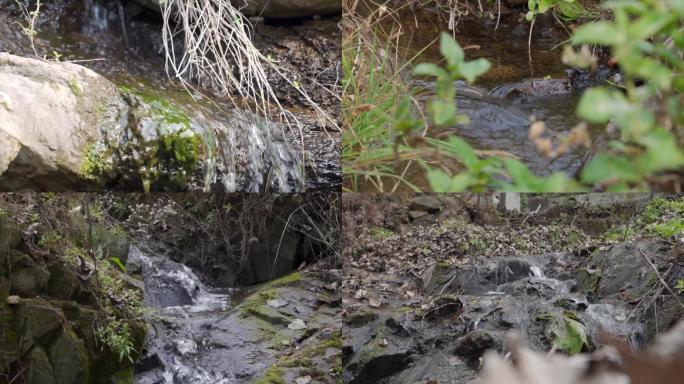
(254,156)
(193,337)
(98,16)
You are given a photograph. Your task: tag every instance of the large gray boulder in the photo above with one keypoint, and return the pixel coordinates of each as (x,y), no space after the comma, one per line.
(50,114)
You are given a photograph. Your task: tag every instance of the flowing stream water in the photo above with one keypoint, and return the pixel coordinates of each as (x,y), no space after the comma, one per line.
(195,335)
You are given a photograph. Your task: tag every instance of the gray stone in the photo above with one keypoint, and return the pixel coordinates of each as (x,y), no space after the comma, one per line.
(51,113)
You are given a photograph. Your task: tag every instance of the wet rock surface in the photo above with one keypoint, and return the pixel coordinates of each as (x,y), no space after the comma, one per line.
(538,297)
(285,328)
(426,304)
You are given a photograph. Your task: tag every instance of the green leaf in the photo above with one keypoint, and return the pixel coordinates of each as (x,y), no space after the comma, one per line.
(450,49)
(571,335)
(662,152)
(443,112)
(602,32)
(472,69)
(571,10)
(598,105)
(605,168)
(463,151)
(545,5)
(116,261)
(439,180)
(429,69)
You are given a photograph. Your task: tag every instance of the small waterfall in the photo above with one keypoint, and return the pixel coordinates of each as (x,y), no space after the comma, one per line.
(185,325)
(255,156)
(98,16)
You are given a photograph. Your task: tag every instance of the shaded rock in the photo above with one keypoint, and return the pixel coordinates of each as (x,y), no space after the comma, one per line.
(69,359)
(40,370)
(443,306)
(475,344)
(360,317)
(533,88)
(10,237)
(28,278)
(63,283)
(613,320)
(624,272)
(426,203)
(35,319)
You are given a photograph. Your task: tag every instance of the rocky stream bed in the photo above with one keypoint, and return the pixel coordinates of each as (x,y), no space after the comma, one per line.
(427,294)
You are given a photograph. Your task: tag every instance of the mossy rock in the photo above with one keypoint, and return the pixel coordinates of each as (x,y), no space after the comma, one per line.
(9,336)
(360,318)
(10,237)
(63,283)
(36,320)
(28,277)
(588,280)
(39,368)
(69,358)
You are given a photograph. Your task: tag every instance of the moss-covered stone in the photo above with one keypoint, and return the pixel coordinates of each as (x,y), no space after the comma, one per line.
(28,278)
(35,319)
(63,283)
(69,358)
(40,370)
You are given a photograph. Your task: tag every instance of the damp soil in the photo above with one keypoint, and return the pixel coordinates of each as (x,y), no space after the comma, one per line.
(91,33)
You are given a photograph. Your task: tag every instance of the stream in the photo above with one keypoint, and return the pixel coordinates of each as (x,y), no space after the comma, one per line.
(250,153)
(194,336)
(524,83)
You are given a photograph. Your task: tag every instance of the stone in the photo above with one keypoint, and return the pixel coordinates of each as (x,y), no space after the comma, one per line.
(473,346)
(360,318)
(426,203)
(297,324)
(28,277)
(52,113)
(69,359)
(39,368)
(13,300)
(63,283)
(36,319)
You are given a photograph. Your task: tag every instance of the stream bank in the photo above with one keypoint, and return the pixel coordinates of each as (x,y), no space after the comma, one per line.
(231,149)
(431,283)
(154,297)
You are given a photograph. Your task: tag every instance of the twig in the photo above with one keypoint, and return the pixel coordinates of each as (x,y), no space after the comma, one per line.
(655,269)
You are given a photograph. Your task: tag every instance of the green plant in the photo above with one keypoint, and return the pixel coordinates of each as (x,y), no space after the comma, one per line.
(647,41)
(116,261)
(566,9)
(569,334)
(116,336)
(680,286)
